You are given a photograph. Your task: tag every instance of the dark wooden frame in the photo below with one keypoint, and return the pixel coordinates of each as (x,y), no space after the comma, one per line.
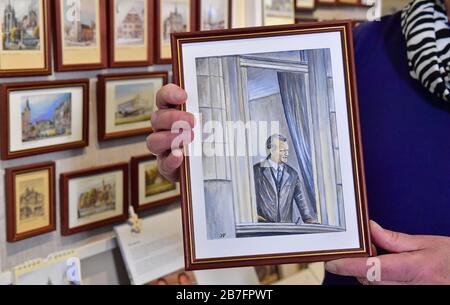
(10,175)
(47,70)
(134,164)
(199,14)
(101,108)
(5,89)
(193,25)
(64,194)
(59,43)
(345,29)
(294,5)
(112,39)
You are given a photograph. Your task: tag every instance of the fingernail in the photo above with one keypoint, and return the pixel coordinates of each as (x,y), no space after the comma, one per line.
(376,225)
(331,267)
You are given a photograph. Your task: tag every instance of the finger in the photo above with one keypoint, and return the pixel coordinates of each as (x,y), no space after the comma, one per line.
(356,267)
(169,165)
(161,142)
(165,119)
(170,96)
(393,241)
(402,267)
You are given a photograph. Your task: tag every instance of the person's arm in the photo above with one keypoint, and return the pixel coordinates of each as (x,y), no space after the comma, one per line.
(160,141)
(306,212)
(413,260)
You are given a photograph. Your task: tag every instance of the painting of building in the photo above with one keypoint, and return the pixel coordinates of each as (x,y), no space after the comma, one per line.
(214,15)
(46,116)
(80,23)
(131,27)
(32,204)
(133,103)
(175,18)
(21,25)
(279,8)
(97,199)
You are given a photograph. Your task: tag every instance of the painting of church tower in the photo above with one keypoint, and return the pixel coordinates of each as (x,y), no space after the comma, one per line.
(80,23)
(176,19)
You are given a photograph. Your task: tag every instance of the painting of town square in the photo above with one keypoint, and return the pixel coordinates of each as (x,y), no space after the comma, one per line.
(134,103)
(46,116)
(97,196)
(80,23)
(20,22)
(32,199)
(155,183)
(214,14)
(130,22)
(175,18)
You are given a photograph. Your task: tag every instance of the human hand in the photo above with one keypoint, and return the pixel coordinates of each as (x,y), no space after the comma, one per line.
(161,141)
(414,259)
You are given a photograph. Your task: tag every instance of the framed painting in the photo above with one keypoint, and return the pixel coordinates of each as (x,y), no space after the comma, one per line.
(25,30)
(126,103)
(43,117)
(30,201)
(149,188)
(172,16)
(305,5)
(93,198)
(214,15)
(131,32)
(278,12)
(275,172)
(80,35)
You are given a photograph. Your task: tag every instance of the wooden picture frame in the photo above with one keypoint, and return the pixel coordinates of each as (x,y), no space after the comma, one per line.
(86,47)
(34,187)
(42,131)
(139,199)
(108,96)
(214,25)
(131,53)
(225,223)
(275,17)
(350,2)
(22,62)
(163,54)
(111,179)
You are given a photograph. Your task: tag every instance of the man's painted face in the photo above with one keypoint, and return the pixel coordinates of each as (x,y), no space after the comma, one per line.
(280,152)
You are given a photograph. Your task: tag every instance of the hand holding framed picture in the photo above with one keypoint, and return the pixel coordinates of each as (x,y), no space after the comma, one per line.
(275,173)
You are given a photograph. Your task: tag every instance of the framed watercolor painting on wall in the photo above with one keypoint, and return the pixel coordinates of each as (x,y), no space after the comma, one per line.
(25,30)
(149,188)
(30,201)
(275,172)
(126,103)
(80,35)
(172,16)
(278,12)
(43,117)
(131,32)
(93,198)
(214,14)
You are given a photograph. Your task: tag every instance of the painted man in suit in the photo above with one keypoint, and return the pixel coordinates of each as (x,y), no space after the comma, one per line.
(278,187)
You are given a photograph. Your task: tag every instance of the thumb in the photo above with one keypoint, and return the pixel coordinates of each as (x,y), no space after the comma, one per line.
(393,242)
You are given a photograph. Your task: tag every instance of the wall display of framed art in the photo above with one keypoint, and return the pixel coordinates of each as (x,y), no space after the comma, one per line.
(278,12)
(149,188)
(214,14)
(30,201)
(290,186)
(93,198)
(305,5)
(172,16)
(80,35)
(131,32)
(126,102)
(44,117)
(25,30)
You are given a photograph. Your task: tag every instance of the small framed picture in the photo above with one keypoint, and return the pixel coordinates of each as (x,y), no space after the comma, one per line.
(131,31)
(93,198)
(278,12)
(275,172)
(305,5)
(214,14)
(172,16)
(80,35)
(126,103)
(30,201)
(44,117)
(149,188)
(25,31)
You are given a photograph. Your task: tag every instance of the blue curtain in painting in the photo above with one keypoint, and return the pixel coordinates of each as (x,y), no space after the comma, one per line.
(293,94)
